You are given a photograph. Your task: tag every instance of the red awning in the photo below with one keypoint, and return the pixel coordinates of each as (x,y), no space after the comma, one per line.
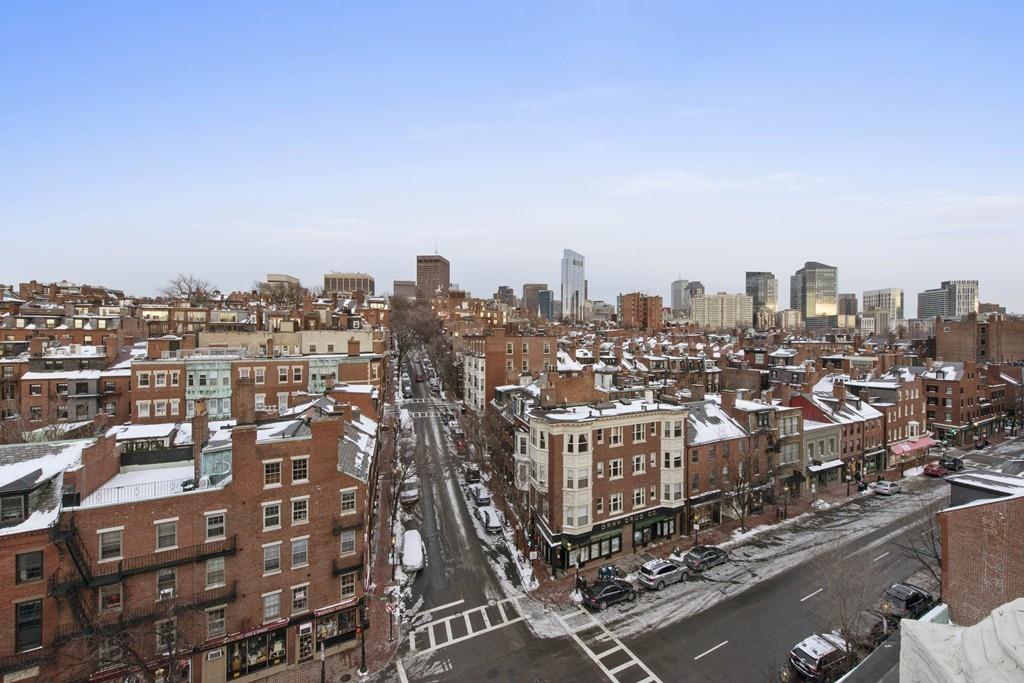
(911,446)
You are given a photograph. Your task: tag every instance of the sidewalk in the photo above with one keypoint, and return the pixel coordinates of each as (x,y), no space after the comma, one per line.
(557,591)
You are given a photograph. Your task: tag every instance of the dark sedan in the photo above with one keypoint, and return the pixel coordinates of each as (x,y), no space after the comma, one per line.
(701,557)
(952,464)
(600,594)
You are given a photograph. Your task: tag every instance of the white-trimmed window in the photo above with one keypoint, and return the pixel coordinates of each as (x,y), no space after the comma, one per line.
(639,464)
(348,501)
(300,598)
(639,433)
(348,542)
(300,510)
(111,597)
(272,515)
(215,574)
(615,468)
(615,438)
(639,497)
(598,506)
(271,606)
(296,373)
(216,525)
(261,375)
(110,543)
(175,406)
(175,377)
(160,379)
(272,557)
(142,380)
(300,552)
(142,408)
(614,503)
(300,469)
(271,473)
(215,622)
(160,408)
(166,533)
(348,585)
(166,583)
(166,635)
(282,374)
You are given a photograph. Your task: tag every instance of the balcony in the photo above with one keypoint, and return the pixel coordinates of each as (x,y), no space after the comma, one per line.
(116,621)
(343,565)
(345,523)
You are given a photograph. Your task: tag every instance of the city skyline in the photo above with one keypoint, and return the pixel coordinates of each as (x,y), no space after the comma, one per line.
(351,154)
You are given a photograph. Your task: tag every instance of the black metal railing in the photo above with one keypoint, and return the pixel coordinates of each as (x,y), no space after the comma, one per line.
(21,660)
(344,565)
(345,523)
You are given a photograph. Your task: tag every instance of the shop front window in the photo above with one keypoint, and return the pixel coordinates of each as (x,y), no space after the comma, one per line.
(256,653)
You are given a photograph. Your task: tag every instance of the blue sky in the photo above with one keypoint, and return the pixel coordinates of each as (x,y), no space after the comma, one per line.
(658,139)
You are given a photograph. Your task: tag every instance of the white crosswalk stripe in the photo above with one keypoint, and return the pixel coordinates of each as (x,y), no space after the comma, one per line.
(583,621)
(438,634)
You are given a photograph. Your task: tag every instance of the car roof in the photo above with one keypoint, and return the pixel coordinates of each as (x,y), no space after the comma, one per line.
(904,590)
(819,645)
(655,564)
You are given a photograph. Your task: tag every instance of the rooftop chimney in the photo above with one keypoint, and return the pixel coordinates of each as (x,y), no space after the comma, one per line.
(697,392)
(36,346)
(244,399)
(839,391)
(200,434)
(729,402)
(353,346)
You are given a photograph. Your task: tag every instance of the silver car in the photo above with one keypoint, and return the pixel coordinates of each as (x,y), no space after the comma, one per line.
(657,574)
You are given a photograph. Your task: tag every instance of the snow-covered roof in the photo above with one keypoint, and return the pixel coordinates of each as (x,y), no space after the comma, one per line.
(707,422)
(38,467)
(994,482)
(611,409)
(567,364)
(129,432)
(64,374)
(141,484)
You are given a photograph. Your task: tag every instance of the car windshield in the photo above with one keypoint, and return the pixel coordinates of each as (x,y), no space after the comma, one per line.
(647,571)
(805,657)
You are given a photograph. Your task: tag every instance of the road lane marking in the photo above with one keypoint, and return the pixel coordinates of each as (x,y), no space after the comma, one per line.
(808,597)
(707,652)
(438,609)
(594,657)
(401,672)
(880,556)
(470,631)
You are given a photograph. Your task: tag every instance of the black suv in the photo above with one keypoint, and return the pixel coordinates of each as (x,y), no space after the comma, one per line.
(600,594)
(950,463)
(906,601)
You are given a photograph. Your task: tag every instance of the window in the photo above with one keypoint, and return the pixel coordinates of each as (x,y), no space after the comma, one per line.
(639,497)
(28,628)
(166,584)
(508,349)
(616,437)
(167,534)
(615,468)
(542,440)
(110,545)
(582,443)
(300,598)
(110,597)
(282,374)
(300,552)
(215,622)
(271,606)
(300,470)
(598,506)
(175,406)
(297,373)
(143,408)
(215,572)
(639,434)
(677,428)
(348,542)
(216,525)
(29,566)
(639,464)
(272,557)
(600,470)
(348,585)
(143,378)
(160,379)
(615,503)
(272,473)
(300,510)
(160,408)
(174,378)
(243,373)
(261,375)
(35,414)
(12,508)
(348,502)
(271,516)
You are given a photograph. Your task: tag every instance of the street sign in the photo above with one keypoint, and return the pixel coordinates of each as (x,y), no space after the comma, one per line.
(391,607)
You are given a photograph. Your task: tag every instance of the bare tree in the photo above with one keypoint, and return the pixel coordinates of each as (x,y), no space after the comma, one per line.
(188,287)
(413,324)
(280,294)
(924,545)
(744,477)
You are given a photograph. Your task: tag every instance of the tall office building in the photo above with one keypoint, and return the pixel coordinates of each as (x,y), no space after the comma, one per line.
(530,292)
(889,300)
(348,283)
(433,276)
(693,288)
(546,304)
(574,285)
(505,295)
(404,289)
(846,310)
(952,299)
(814,290)
(678,293)
(763,288)
(723,311)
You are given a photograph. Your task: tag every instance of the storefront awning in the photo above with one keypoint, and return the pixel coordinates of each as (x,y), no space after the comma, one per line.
(825,466)
(795,478)
(911,446)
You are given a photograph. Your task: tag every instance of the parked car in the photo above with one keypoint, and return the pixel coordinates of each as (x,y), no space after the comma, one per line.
(600,594)
(420,378)
(406,391)
(461,447)
(472,473)
(934,469)
(701,557)
(885,488)
(413,552)
(491,518)
(906,601)
(481,496)
(409,492)
(820,657)
(951,463)
(657,574)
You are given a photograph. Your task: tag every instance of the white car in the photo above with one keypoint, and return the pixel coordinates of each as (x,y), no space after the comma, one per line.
(409,493)
(481,496)
(491,518)
(413,552)
(885,488)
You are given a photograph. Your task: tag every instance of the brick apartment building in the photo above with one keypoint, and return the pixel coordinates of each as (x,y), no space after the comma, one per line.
(502,358)
(959,402)
(862,443)
(995,339)
(235,563)
(638,311)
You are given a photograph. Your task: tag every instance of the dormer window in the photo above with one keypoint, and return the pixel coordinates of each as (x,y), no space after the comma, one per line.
(12,509)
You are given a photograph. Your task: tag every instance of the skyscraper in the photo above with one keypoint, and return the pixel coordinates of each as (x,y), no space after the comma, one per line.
(763,288)
(433,276)
(931,303)
(530,291)
(952,299)
(846,308)
(889,300)
(678,292)
(814,289)
(574,285)
(546,304)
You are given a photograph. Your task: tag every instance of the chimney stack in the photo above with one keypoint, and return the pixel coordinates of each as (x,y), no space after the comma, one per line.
(244,399)
(697,392)
(729,402)
(200,434)
(36,346)
(839,391)
(353,346)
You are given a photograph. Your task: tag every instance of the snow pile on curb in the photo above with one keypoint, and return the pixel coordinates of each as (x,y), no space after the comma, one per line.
(820,504)
(914,471)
